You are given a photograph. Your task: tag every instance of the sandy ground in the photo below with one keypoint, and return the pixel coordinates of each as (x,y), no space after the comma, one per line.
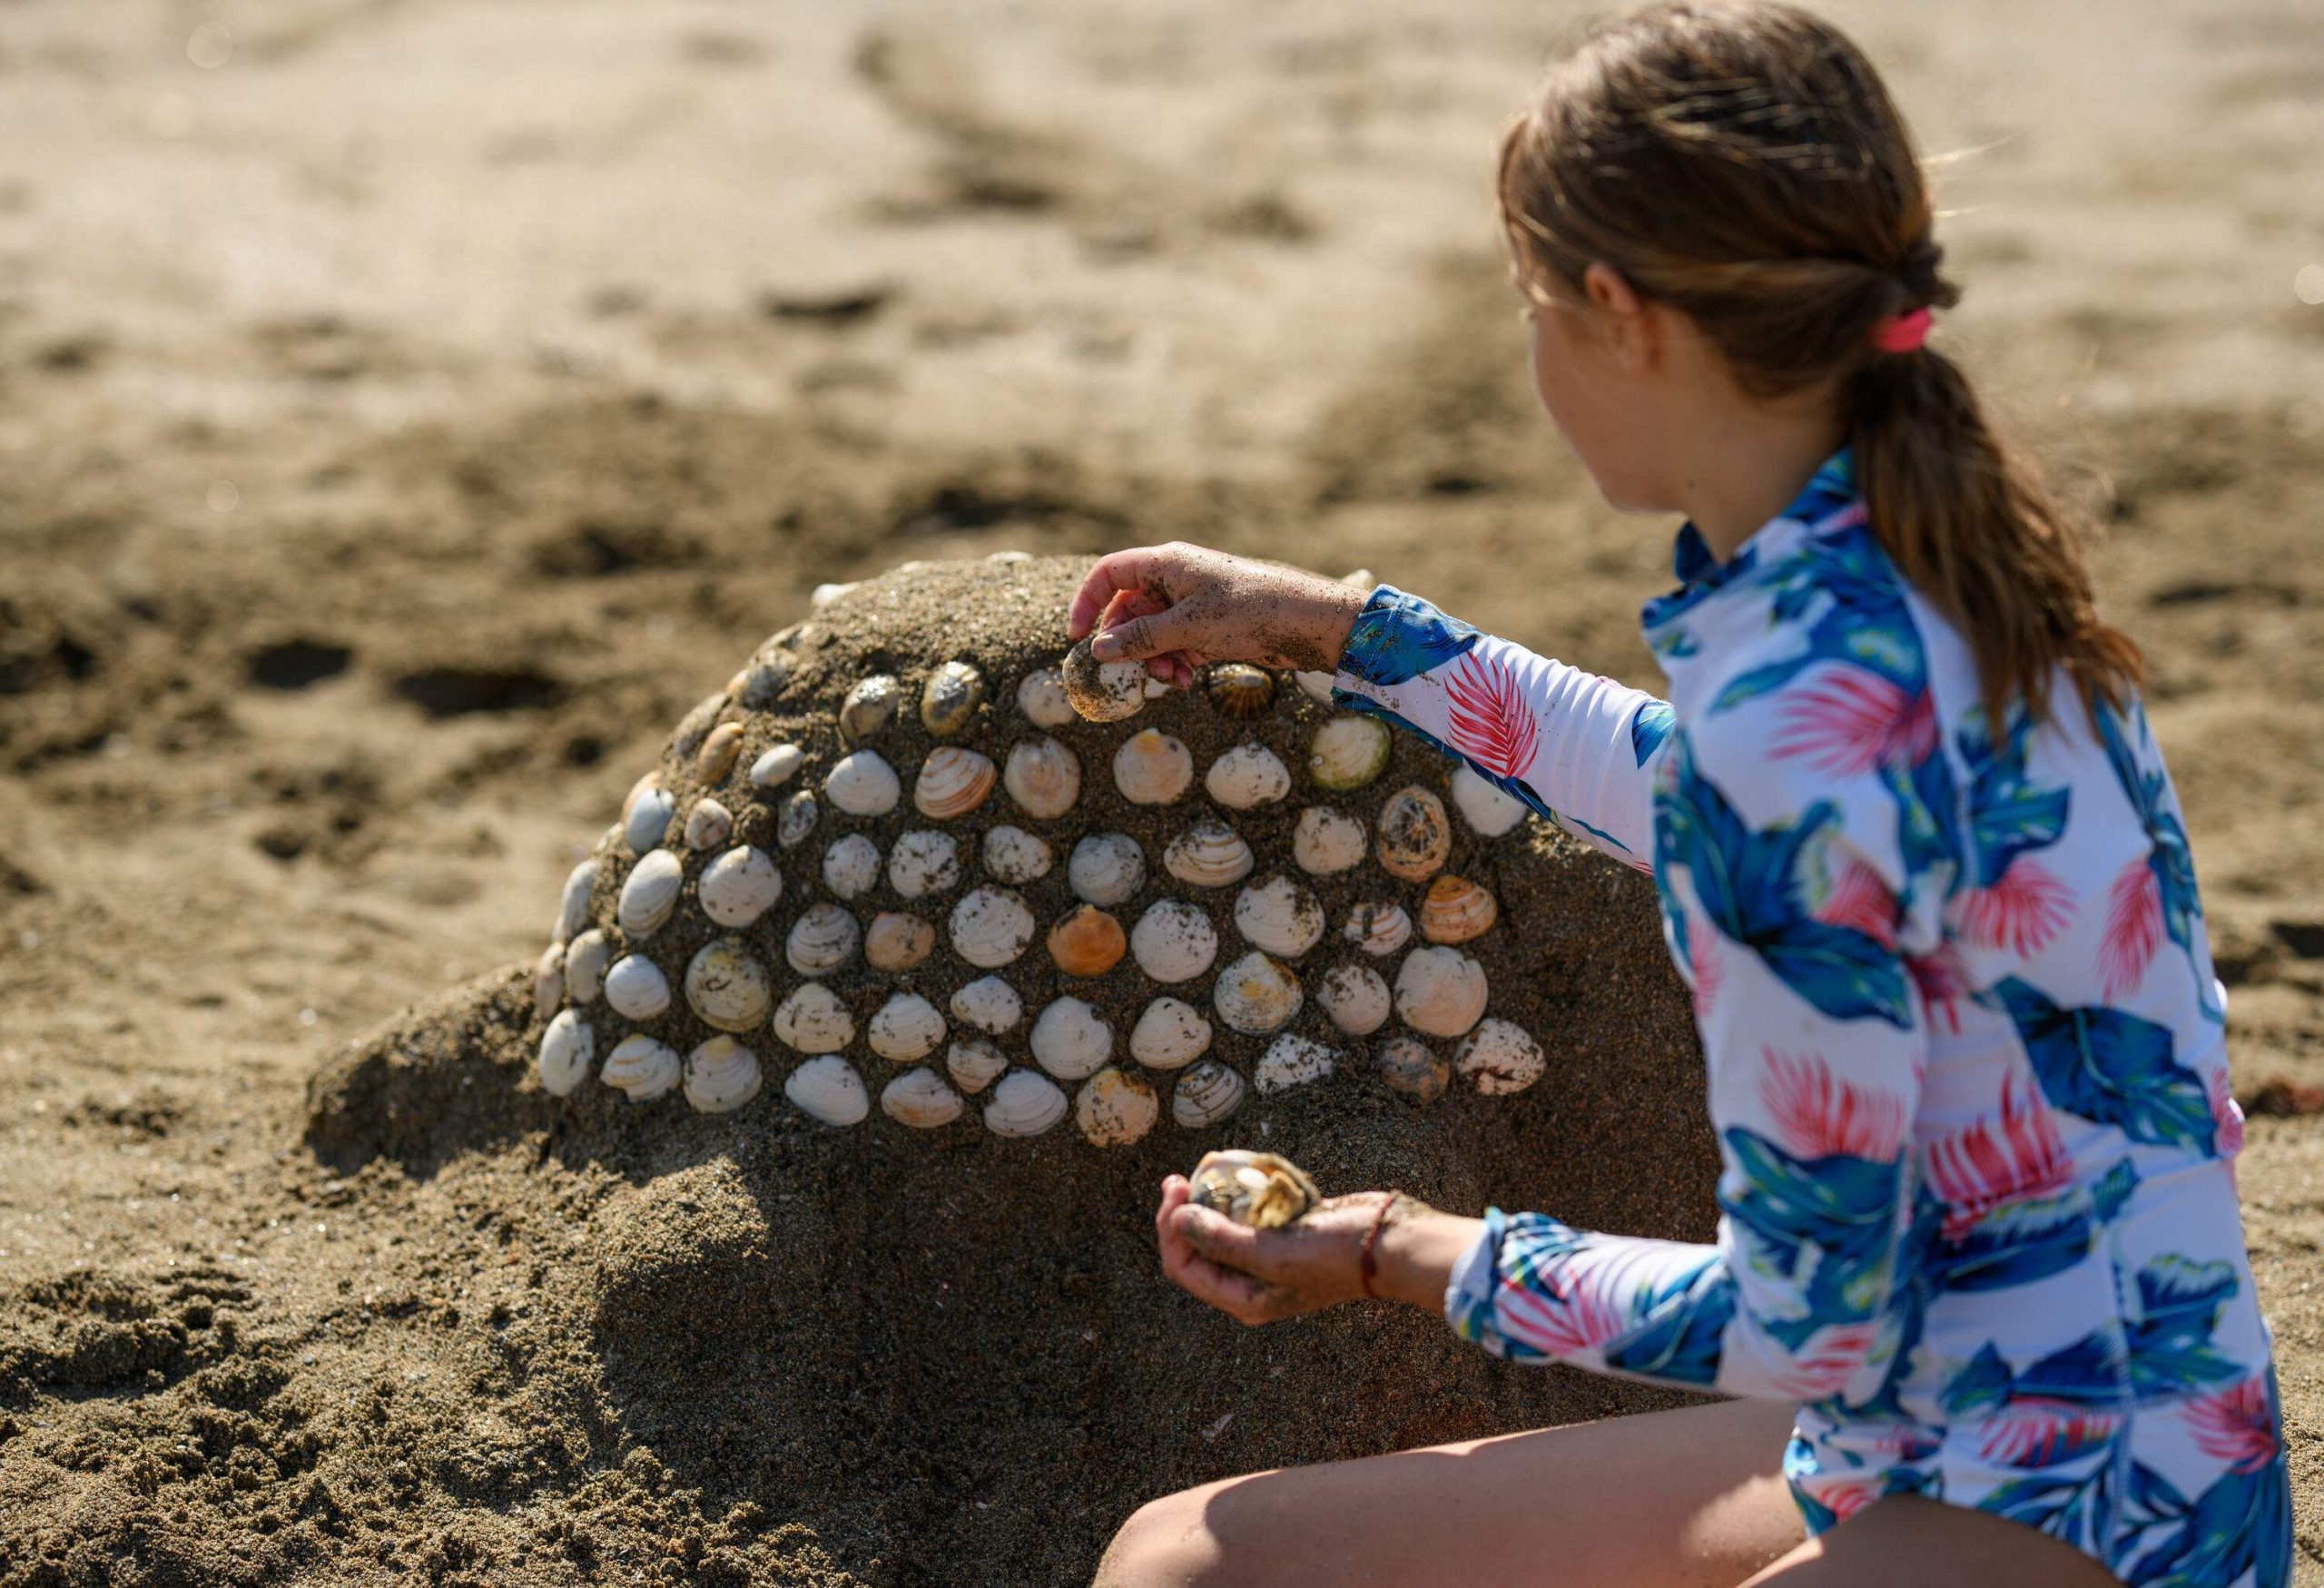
(407,409)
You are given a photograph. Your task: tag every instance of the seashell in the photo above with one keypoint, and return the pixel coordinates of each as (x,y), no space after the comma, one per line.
(1170,1035)
(1015,855)
(822,596)
(1280,916)
(868,707)
(919,1098)
(1378,928)
(721,1076)
(1439,990)
(643,1068)
(1024,1104)
(1040,695)
(646,817)
(950,698)
(1253,1188)
(1151,768)
(1173,941)
(636,989)
(1239,689)
(1254,995)
(1415,836)
(991,927)
(905,1028)
(566,1048)
(1327,841)
(1291,1060)
(851,866)
(739,886)
(1413,1069)
(759,685)
(1043,777)
(952,782)
(1210,855)
(897,941)
(1359,579)
(647,895)
(585,965)
(923,863)
(1356,999)
(989,1004)
(1115,1108)
(777,766)
(974,1063)
(1087,941)
(822,940)
(1207,1095)
(1315,686)
(1103,692)
(1106,868)
(828,1091)
(1500,1057)
(1456,910)
(695,726)
(1348,752)
(862,784)
(726,987)
(796,819)
(812,1020)
(1484,804)
(1071,1040)
(716,757)
(1248,775)
(573,905)
(708,824)
(548,982)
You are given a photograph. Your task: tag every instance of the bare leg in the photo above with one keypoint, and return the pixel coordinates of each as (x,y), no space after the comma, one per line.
(1683,1499)
(1906,1541)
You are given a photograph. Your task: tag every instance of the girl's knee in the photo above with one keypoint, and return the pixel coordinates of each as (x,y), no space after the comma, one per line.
(1165,1544)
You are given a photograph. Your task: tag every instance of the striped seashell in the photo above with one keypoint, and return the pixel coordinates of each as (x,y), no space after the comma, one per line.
(1280,916)
(974,1063)
(1043,776)
(989,1004)
(862,784)
(1115,1108)
(812,1020)
(822,940)
(635,988)
(1415,835)
(1025,1103)
(1315,686)
(642,1067)
(1348,752)
(1087,941)
(828,1090)
(897,941)
(991,927)
(1239,689)
(1106,868)
(1500,1057)
(920,1099)
(905,1028)
(721,1076)
(739,886)
(726,987)
(1378,928)
(952,782)
(1210,855)
(1456,910)
(648,894)
(1439,990)
(1151,768)
(1170,1035)
(1207,1094)
(1247,777)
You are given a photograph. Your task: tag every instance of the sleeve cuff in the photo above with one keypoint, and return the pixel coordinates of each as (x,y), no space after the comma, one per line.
(1469,1292)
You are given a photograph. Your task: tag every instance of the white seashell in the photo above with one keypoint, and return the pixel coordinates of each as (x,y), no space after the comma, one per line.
(548,982)
(566,1048)
(1170,1035)
(1439,990)
(923,863)
(636,989)
(1348,752)
(1414,1069)
(974,1063)
(1206,1095)
(1485,806)
(1015,855)
(1280,916)
(1380,928)
(905,1028)
(1172,941)
(919,1098)
(1210,855)
(647,821)
(739,886)
(822,596)
(828,1091)
(726,987)
(1415,835)
(722,1075)
(1106,868)
(1291,1060)
(989,1004)
(897,941)
(952,782)
(777,766)
(708,824)
(1043,776)
(1248,775)
(822,940)
(991,927)
(643,1068)
(1103,692)
(862,784)
(1317,687)
(1040,695)
(1151,768)
(648,894)
(1071,1040)
(868,707)
(1327,841)
(796,819)
(1500,1057)
(1024,1104)
(585,965)
(1356,999)
(1254,995)
(851,866)
(812,1020)
(1115,1108)
(572,906)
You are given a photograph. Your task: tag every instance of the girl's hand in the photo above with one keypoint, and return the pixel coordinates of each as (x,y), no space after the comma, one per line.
(1178,606)
(1259,1276)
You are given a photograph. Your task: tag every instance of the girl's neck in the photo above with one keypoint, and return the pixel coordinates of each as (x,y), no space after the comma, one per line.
(1749,466)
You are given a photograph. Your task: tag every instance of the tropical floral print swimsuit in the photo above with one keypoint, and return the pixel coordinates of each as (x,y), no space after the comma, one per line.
(1964,1054)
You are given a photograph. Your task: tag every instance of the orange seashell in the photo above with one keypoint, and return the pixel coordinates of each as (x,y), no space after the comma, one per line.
(1456,910)
(897,941)
(716,757)
(1415,837)
(1087,943)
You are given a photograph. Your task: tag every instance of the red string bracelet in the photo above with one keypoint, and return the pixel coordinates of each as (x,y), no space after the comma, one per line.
(1368,1268)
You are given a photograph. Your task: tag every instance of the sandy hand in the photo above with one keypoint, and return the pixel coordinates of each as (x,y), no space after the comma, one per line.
(1259,1276)
(1178,606)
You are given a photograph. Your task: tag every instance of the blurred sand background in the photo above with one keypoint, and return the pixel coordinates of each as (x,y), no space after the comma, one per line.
(407,407)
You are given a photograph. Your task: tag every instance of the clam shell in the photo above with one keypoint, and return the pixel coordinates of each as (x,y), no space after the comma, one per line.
(1106,868)
(1115,1108)
(1024,1104)
(760,685)
(739,886)
(642,1067)
(822,940)
(635,988)
(648,894)
(974,1063)
(851,866)
(777,766)
(1087,941)
(1485,806)
(905,1028)
(1291,1060)
(1170,1035)
(1210,855)
(1327,841)
(726,987)
(1207,1094)
(585,965)
(708,824)
(1043,777)
(1151,768)
(1439,990)
(1378,928)
(1016,856)
(573,905)
(1412,1069)
(1415,835)
(828,1091)
(1279,915)
(796,819)
(1348,752)
(989,1004)
(923,863)
(1500,1057)
(1173,941)
(1456,910)
(862,784)
(695,726)
(1356,998)
(1239,689)
(1040,695)
(952,782)
(646,817)
(548,982)
(991,927)
(1254,995)
(716,757)
(948,700)
(1071,1040)
(1103,692)
(1248,775)
(920,1099)
(721,1076)
(1256,1189)
(1315,686)
(823,595)
(812,1020)
(567,1047)
(897,941)
(868,707)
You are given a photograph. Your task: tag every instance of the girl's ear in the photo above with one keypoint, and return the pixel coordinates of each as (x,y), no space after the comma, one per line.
(1624,313)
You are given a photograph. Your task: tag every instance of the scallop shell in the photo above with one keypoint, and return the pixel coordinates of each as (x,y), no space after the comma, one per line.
(642,1067)
(708,824)
(721,1076)
(828,1091)
(1257,1190)
(1356,998)
(1043,776)
(1040,695)
(1024,1104)
(1280,916)
(1207,1094)
(1087,941)
(1379,928)
(991,927)
(1248,775)
(1485,806)
(897,941)
(739,886)
(1103,692)
(868,707)
(1210,855)
(1327,841)
(777,766)
(1500,1057)
(1254,995)
(1315,686)
(919,1098)
(1239,689)
(1170,1035)
(635,988)
(1456,910)
(796,819)
(646,817)
(566,1048)
(1151,768)
(851,866)
(647,895)
(822,940)
(905,1028)
(585,965)
(1071,1040)
(1016,856)
(1115,1108)
(1415,1069)
(1173,941)
(974,1063)
(1106,868)
(952,782)
(573,905)
(1439,990)
(812,1020)
(726,987)
(862,784)
(923,863)
(950,698)
(1348,752)
(548,982)
(989,1004)
(716,757)
(1291,1060)
(1415,835)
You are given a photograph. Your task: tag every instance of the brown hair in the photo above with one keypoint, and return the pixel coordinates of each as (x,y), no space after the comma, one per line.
(1743,162)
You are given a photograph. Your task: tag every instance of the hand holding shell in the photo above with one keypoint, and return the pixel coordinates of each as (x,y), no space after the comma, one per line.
(1259,1275)
(1178,606)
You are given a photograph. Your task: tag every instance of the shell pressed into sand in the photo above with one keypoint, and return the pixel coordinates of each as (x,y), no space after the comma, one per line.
(1239,689)
(1206,1094)
(1279,915)
(896,940)
(586,960)
(1327,841)
(905,1028)
(851,866)
(709,824)
(567,1047)
(862,784)
(721,1076)
(1379,928)
(1412,1069)
(920,1099)
(1456,910)
(1257,1190)
(642,1067)
(1043,776)
(822,940)
(1171,1034)
(1041,696)
(868,707)
(740,886)
(923,863)
(777,766)
(1348,752)
(812,1020)
(1087,941)
(1415,835)
(1291,1060)
(1488,808)
(636,989)
(1115,1108)
(974,1063)
(573,905)
(1024,1104)
(1354,998)
(1247,777)
(1210,855)
(1103,692)
(760,685)
(952,782)
(648,894)
(796,819)
(828,1090)
(1500,1057)
(1106,868)
(991,927)
(948,700)
(695,726)
(1439,990)
(645,820)
(989,1004)
(548,982)
(1016,856)
(1315,686)
(1070,1039)
(726,987)
(716,757)
(1254,995)
(1152,768)
(1173,941)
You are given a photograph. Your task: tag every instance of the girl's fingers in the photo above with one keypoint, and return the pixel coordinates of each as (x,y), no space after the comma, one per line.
(1219,1239)
(1136,569)
(1148,634)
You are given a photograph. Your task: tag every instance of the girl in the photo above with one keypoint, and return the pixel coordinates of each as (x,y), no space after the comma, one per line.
(1979,1256)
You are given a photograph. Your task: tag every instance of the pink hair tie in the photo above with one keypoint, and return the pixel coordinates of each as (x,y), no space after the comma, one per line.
(1903,334)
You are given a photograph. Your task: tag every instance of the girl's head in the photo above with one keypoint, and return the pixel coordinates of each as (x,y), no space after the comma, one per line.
(1741,165)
